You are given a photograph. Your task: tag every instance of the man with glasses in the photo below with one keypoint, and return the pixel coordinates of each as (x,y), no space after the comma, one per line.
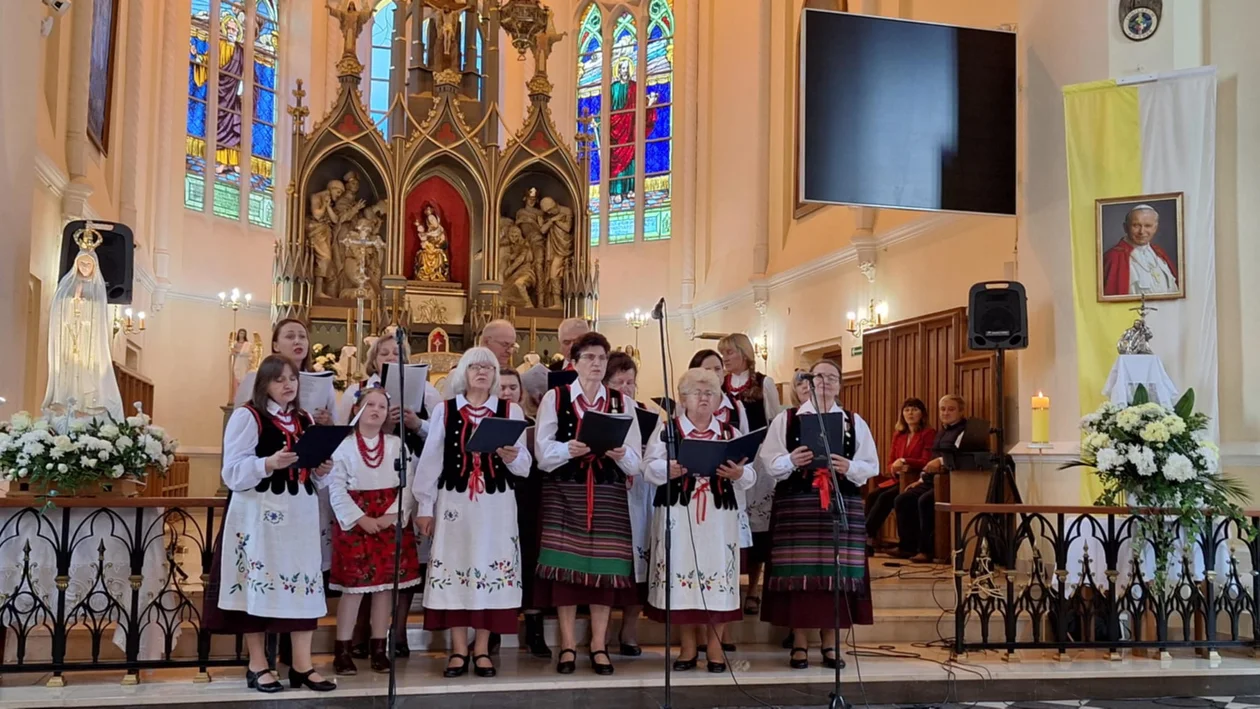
(499,336)
(569,332)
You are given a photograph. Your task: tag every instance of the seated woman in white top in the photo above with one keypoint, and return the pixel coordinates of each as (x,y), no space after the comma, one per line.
(702,515)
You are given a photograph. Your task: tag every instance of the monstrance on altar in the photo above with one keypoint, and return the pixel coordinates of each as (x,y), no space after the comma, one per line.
(430,217)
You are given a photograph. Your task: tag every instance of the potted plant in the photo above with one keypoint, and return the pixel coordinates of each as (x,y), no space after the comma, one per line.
(1158,462)
(87,458)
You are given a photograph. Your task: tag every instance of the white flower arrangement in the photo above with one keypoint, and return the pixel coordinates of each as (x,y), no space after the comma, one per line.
(1159,461)
(87,452)
(325,359)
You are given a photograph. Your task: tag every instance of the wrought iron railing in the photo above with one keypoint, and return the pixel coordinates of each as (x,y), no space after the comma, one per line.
(107,583)
(1065,578)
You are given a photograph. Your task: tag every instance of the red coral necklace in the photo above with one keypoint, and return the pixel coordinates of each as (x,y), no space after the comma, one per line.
(373,456)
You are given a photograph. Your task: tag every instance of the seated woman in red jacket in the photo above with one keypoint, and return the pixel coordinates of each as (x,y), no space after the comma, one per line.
(911,449)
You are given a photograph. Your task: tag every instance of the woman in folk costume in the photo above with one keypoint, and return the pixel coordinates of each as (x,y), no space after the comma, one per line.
(801,574)
(587,555)
(363,490)
(412,425)
(702,514)
(466,503)
(271,580)
(729,412)
(622,376)
(760,398)
(528,507)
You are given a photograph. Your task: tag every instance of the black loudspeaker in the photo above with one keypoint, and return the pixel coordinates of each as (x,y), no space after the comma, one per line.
(997,316)
(116,255)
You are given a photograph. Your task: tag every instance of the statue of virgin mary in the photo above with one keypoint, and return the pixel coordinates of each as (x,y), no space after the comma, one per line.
(81,378)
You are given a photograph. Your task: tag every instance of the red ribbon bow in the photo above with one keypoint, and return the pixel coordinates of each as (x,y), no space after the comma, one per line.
(701,500)
(477,480)
(822,482)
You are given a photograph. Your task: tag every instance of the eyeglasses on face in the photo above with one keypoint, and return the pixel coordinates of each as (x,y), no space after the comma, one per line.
(593,357)
(826,379)
(481,367)
(705,394)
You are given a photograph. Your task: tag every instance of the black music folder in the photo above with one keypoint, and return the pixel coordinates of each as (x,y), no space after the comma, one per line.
(604,432)
(563,378)
(703,458)
(495,433)
(318,443)
(647,422)
(811,430)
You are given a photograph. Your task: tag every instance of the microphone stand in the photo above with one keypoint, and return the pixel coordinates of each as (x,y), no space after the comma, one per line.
(400,464)
(671,454)
(839,522)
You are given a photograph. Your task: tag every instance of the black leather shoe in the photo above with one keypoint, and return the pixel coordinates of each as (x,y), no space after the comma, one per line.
(801,664)
(401,648)
(717,668)
(567,667)
(535,638)
(453,672)
(496,641)
(830,661)
(303,679)
(628,650)
(359,651)
(602,670)
(484,671)
(681,665)
(251,681)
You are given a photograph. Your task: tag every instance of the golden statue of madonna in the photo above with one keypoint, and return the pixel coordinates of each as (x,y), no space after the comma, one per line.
(432,262)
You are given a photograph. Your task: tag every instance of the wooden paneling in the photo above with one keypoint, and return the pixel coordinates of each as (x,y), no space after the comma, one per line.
(175,484)
(851,391)
(977,381)
(133,388)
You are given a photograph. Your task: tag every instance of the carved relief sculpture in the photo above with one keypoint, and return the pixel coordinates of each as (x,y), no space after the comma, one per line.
(517,265)
(364,249)
(320,223)
(558,229)
(432,260)
(543,42)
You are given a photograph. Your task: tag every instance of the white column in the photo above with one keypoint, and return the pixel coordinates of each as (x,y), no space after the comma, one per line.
(761,213)
(19,92)
(74,201)
(168,200)
(686,191)
(132,110)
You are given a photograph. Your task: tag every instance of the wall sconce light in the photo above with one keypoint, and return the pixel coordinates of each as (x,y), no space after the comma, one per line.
(876,315)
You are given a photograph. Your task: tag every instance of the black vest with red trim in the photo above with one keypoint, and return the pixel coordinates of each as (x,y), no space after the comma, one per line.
(732,416)
(680,490)
(801,481)
(754,406)
(457,464)
(272,438)
(605,470)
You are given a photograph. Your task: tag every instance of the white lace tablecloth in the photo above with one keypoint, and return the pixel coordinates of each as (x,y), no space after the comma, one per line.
(1131,370)
(88,536)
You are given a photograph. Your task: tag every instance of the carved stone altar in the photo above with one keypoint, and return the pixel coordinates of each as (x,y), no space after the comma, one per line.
(443,222)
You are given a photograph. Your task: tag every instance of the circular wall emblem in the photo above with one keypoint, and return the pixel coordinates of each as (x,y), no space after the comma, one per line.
(1140,23)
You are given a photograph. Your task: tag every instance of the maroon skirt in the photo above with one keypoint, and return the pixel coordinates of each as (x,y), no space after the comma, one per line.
(501,621)
(694,617)
(528,521)
(807,610)
(224,622)
(554,594)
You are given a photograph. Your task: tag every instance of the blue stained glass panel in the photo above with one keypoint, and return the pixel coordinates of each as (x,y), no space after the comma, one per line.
(263,139)
(264,71)
(200,7)
(662,124)
(621,228)
(656,157)
(264,105)
(267,9)
(595,163)
(595,229)
(378,101)
(656,224)
(195,192)
(196,118)
(662,87)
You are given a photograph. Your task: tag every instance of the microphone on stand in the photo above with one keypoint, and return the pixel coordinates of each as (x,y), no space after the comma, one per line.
(658,312)
(401,466)
(671,454)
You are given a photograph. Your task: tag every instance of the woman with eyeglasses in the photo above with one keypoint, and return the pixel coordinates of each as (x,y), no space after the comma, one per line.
(466,504)
(801,575)
(587,554)
(702,517)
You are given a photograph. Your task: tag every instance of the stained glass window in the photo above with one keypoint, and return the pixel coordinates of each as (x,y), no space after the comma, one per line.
(589,82)
(379,64)
(219,81)
(631,161)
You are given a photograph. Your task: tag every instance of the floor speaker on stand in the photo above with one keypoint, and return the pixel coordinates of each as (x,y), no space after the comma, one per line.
(116,254)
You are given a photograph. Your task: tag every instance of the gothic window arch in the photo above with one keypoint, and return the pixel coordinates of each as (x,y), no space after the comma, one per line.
(625,77)
(230,141)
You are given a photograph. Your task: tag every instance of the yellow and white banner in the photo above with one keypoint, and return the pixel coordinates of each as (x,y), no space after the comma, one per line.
(1128,140)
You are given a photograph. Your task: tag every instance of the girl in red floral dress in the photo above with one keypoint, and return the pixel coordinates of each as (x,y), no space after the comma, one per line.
(363,491)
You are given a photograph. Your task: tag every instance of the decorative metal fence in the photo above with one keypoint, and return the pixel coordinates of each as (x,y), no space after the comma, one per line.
(1064,578)
(107,583)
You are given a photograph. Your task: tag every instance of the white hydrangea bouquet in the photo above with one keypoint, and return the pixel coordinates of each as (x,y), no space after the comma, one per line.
(1150,457)
(66,457)
(326,359)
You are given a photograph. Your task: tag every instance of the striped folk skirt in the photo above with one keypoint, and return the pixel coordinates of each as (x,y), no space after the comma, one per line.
(578,565)
(801,572)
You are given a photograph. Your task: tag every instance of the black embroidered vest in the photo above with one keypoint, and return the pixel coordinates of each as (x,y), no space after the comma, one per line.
(681,490)
(272,438)
(457,465)
(604,469)
(754,407)
(801,481)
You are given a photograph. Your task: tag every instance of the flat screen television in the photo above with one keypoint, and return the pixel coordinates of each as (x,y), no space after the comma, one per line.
(908,115)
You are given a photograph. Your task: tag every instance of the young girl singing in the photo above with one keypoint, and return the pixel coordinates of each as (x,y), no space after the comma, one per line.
(271,580)
(363,490)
